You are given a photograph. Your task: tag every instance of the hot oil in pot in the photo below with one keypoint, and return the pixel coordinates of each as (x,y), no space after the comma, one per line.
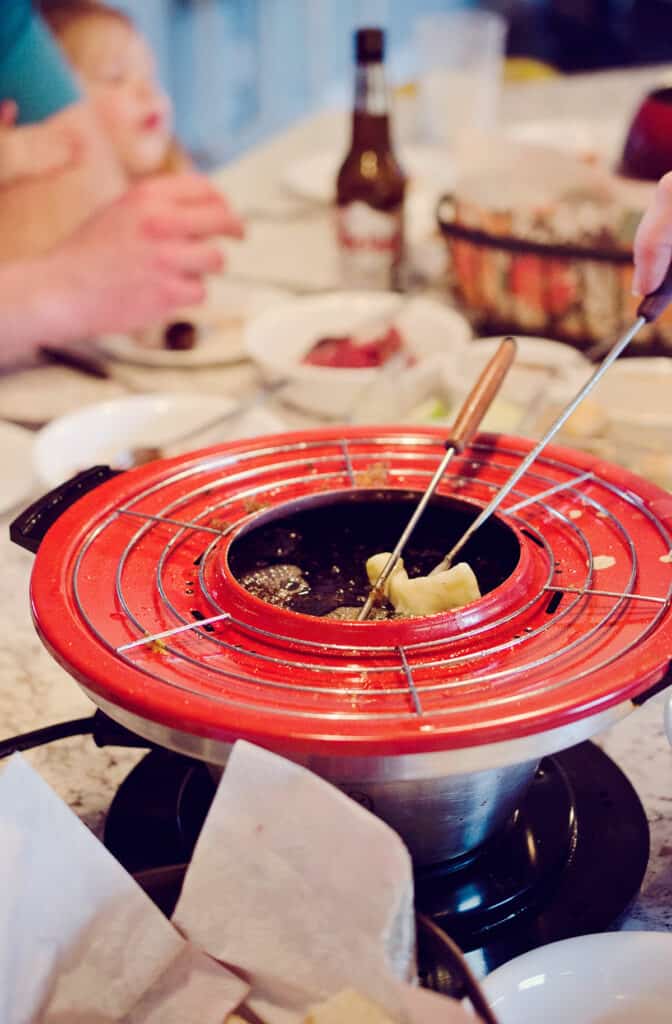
(312,558)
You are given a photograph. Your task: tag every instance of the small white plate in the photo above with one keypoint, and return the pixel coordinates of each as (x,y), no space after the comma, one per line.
(220,322)
(615,978)
(97,433)
(314,177)
(279,339)
(16,467)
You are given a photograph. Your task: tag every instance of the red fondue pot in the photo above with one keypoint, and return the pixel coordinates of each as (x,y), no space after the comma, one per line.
(437,723)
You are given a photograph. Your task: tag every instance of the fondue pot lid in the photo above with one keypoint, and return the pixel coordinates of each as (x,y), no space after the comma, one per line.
(133,594)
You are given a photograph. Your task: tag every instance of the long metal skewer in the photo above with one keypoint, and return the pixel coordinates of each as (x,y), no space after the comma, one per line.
(649,309)
(468,420)
(613,354)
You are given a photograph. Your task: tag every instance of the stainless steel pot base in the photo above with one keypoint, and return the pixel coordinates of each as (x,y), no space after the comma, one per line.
(568,863)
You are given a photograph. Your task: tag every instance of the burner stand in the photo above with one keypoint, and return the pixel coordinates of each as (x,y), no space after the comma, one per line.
(568,862)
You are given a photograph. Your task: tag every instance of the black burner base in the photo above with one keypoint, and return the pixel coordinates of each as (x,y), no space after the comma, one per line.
(568,863)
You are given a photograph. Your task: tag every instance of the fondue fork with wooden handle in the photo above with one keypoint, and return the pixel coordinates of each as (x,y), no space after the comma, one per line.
(468,420)
(649,309)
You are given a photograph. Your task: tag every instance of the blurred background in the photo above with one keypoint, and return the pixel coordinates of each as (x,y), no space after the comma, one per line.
(240,70)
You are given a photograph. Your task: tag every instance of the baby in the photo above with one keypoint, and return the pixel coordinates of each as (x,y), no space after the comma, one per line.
(117,70)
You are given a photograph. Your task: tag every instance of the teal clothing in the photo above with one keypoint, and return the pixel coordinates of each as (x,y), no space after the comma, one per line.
(33,70)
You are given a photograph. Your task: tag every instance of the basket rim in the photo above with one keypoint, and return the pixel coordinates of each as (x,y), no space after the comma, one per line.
(511,243)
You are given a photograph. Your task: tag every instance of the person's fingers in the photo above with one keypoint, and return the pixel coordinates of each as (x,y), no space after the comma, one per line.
(181,188)
(202,220)
(187,191)
(235,224)
(182,291)
(650,268)
(8,113)
(191,258)
(653,240)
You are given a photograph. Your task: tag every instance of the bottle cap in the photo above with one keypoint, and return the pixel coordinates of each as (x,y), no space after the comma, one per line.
(369,45)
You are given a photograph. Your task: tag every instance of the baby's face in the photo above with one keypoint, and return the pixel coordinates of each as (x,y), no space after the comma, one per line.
(119,75)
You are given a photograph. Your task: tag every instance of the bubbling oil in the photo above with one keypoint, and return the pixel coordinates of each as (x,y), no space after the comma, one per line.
(311,557)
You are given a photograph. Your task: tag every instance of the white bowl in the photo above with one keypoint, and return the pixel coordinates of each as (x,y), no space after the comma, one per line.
(542,367)
(278,340)
(635,393)
(97,433)
(615,978)
(542,356)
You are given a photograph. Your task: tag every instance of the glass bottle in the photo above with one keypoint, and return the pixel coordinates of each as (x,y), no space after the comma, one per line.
(371,184)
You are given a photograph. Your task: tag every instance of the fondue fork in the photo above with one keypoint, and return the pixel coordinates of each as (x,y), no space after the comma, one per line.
(649,309)
(467,423)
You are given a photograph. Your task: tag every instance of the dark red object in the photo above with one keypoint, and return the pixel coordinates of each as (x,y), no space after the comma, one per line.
(648,147)
(523,659)
(180,336)
(348,352)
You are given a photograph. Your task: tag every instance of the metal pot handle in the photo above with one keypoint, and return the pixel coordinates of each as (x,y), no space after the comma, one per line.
(105,733)
(29,528)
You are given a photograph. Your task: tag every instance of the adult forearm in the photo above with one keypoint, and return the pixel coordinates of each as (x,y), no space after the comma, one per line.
(36,306)
(36,214)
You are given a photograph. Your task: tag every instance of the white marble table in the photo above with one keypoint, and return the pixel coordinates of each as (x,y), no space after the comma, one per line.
(290,246)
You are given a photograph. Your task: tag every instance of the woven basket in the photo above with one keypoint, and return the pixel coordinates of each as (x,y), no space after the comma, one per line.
(574,293)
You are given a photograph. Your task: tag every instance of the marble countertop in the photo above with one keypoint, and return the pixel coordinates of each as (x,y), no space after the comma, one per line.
(35,691)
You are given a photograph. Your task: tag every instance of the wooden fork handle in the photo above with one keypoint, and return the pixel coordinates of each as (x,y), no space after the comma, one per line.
(481,396)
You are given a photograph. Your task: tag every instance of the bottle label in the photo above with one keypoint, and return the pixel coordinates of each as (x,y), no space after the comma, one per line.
(371,243)
(371,90)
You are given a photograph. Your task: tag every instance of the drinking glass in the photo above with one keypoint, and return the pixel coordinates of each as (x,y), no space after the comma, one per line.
(460,59)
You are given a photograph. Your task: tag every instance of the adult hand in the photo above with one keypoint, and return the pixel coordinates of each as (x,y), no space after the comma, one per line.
(33,150)
(142,256)
(653,240)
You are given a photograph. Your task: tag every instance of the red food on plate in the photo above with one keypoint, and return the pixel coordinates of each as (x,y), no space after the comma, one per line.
(353,352)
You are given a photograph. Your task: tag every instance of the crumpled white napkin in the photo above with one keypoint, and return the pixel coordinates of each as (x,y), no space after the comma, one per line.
(80,942)
(306,892)
(292,883)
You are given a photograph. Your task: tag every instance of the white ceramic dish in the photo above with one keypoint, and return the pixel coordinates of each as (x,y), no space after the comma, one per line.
(542,366)
(615,978)
(97,433)
(636,393)
(220,321)
(314,177)
(279,339)
(633,399)
(17,478)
